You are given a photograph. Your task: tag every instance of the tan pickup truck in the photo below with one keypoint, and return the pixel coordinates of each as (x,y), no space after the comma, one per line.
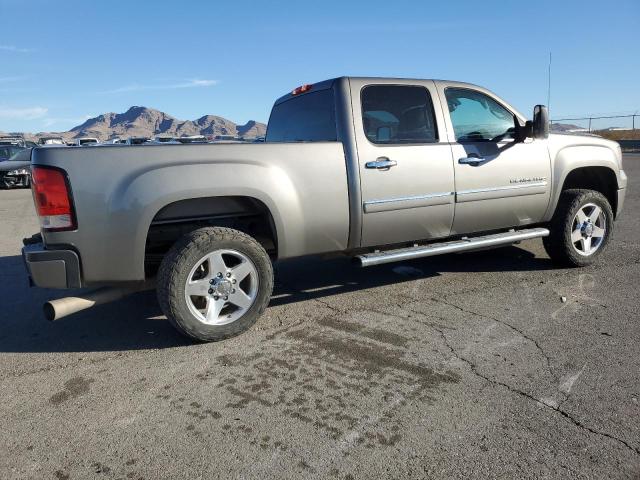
(383,170)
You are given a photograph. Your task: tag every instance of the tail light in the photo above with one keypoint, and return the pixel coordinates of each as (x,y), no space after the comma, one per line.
(52,197)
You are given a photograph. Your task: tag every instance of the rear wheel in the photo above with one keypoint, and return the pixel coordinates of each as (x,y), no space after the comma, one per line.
(580,228)
(215,283)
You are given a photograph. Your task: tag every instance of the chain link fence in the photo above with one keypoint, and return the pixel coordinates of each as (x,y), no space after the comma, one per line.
(624,129)
(599,123)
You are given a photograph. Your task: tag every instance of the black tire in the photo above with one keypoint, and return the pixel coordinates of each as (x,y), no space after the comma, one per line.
(181,259)
(558,244)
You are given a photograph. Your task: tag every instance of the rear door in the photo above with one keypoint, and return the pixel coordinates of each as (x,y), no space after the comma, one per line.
(499,182)
(405,163)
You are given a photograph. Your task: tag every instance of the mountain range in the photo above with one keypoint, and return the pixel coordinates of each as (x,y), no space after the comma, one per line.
(147,122)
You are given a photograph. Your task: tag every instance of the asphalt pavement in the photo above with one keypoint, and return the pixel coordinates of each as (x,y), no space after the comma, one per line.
(494,364)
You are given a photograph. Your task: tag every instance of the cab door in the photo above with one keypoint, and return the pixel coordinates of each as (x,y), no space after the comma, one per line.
(405,164)
(499,182)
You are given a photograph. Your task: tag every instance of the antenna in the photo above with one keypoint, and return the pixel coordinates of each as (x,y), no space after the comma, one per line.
(549,85)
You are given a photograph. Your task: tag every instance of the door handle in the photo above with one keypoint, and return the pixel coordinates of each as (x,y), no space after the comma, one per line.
(382,163)
(473,161)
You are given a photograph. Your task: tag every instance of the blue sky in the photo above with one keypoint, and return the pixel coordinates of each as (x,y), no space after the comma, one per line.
(65,61)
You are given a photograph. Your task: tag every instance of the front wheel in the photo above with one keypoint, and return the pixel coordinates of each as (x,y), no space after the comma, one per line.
(580,228)
(215,283)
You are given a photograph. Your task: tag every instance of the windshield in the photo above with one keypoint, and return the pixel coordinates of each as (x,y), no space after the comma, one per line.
(23,155)
(7,151)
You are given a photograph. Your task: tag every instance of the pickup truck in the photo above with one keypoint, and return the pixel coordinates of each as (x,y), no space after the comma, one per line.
(382,170)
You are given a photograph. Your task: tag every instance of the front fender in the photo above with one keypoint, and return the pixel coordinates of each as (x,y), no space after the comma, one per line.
(567,158)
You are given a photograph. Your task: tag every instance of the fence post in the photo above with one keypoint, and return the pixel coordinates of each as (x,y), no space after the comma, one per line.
(589,124)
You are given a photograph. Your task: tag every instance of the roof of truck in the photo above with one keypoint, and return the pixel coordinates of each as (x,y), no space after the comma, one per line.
(326,84)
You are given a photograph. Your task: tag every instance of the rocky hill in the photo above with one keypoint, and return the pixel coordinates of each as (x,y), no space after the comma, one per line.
(147,122)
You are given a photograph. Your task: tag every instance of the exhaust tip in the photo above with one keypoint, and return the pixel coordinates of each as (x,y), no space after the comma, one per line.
(49,311)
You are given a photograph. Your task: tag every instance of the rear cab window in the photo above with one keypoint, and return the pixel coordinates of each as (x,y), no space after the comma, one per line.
(306,117)
(398,114)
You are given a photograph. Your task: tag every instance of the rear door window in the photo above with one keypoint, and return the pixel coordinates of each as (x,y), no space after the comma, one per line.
(398,114)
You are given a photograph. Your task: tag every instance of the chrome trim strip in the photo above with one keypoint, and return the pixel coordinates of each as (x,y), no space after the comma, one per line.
(500,189)
(408,199)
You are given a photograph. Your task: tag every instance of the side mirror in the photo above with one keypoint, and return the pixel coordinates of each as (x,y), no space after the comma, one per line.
(540,122)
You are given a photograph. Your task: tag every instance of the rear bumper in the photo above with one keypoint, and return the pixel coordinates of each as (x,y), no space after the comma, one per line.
(51,268)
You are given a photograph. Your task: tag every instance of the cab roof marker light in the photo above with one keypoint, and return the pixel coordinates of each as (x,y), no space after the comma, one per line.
(302,89)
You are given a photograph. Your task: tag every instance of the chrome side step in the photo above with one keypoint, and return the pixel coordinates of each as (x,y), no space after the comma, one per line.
(462,245)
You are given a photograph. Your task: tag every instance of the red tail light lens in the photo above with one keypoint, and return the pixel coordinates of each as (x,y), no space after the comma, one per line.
(52,197)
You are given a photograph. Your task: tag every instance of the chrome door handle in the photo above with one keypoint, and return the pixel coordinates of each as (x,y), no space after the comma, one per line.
(473,161)
(381,163)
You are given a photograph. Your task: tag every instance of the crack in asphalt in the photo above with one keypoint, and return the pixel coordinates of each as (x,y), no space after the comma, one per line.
(474,369)
(506,324)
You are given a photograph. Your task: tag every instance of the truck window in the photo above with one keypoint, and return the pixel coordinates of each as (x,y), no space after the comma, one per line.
(476,117)
(398,114)
(307,118)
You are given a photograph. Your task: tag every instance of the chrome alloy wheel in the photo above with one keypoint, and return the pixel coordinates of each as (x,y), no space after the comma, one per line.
(221,287)
(588,229)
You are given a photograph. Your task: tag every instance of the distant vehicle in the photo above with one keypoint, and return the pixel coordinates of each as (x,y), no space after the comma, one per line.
(172,140)
(136,140)
(258,140)
(16,172)
(192,139)
(84,141)
(7,151)
(225,139)
(51,141)
(17,140)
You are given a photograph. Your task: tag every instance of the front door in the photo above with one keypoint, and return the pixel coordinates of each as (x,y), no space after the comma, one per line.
(406,170)
(500,183)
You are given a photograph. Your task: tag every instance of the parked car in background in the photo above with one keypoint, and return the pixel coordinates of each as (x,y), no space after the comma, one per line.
(192,139)
(7,151)
(136,140)
(16,171)
(167,140)
(225,139)
(84,141)
(51,141)
(16,140)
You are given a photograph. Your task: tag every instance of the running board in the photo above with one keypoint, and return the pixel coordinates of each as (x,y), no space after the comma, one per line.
(462,245)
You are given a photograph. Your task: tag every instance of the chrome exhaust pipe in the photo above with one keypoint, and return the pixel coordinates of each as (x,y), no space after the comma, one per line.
(63,307)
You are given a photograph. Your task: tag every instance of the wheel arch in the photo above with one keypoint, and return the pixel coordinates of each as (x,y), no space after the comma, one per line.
(585,166)
(599,178)
(241,212)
